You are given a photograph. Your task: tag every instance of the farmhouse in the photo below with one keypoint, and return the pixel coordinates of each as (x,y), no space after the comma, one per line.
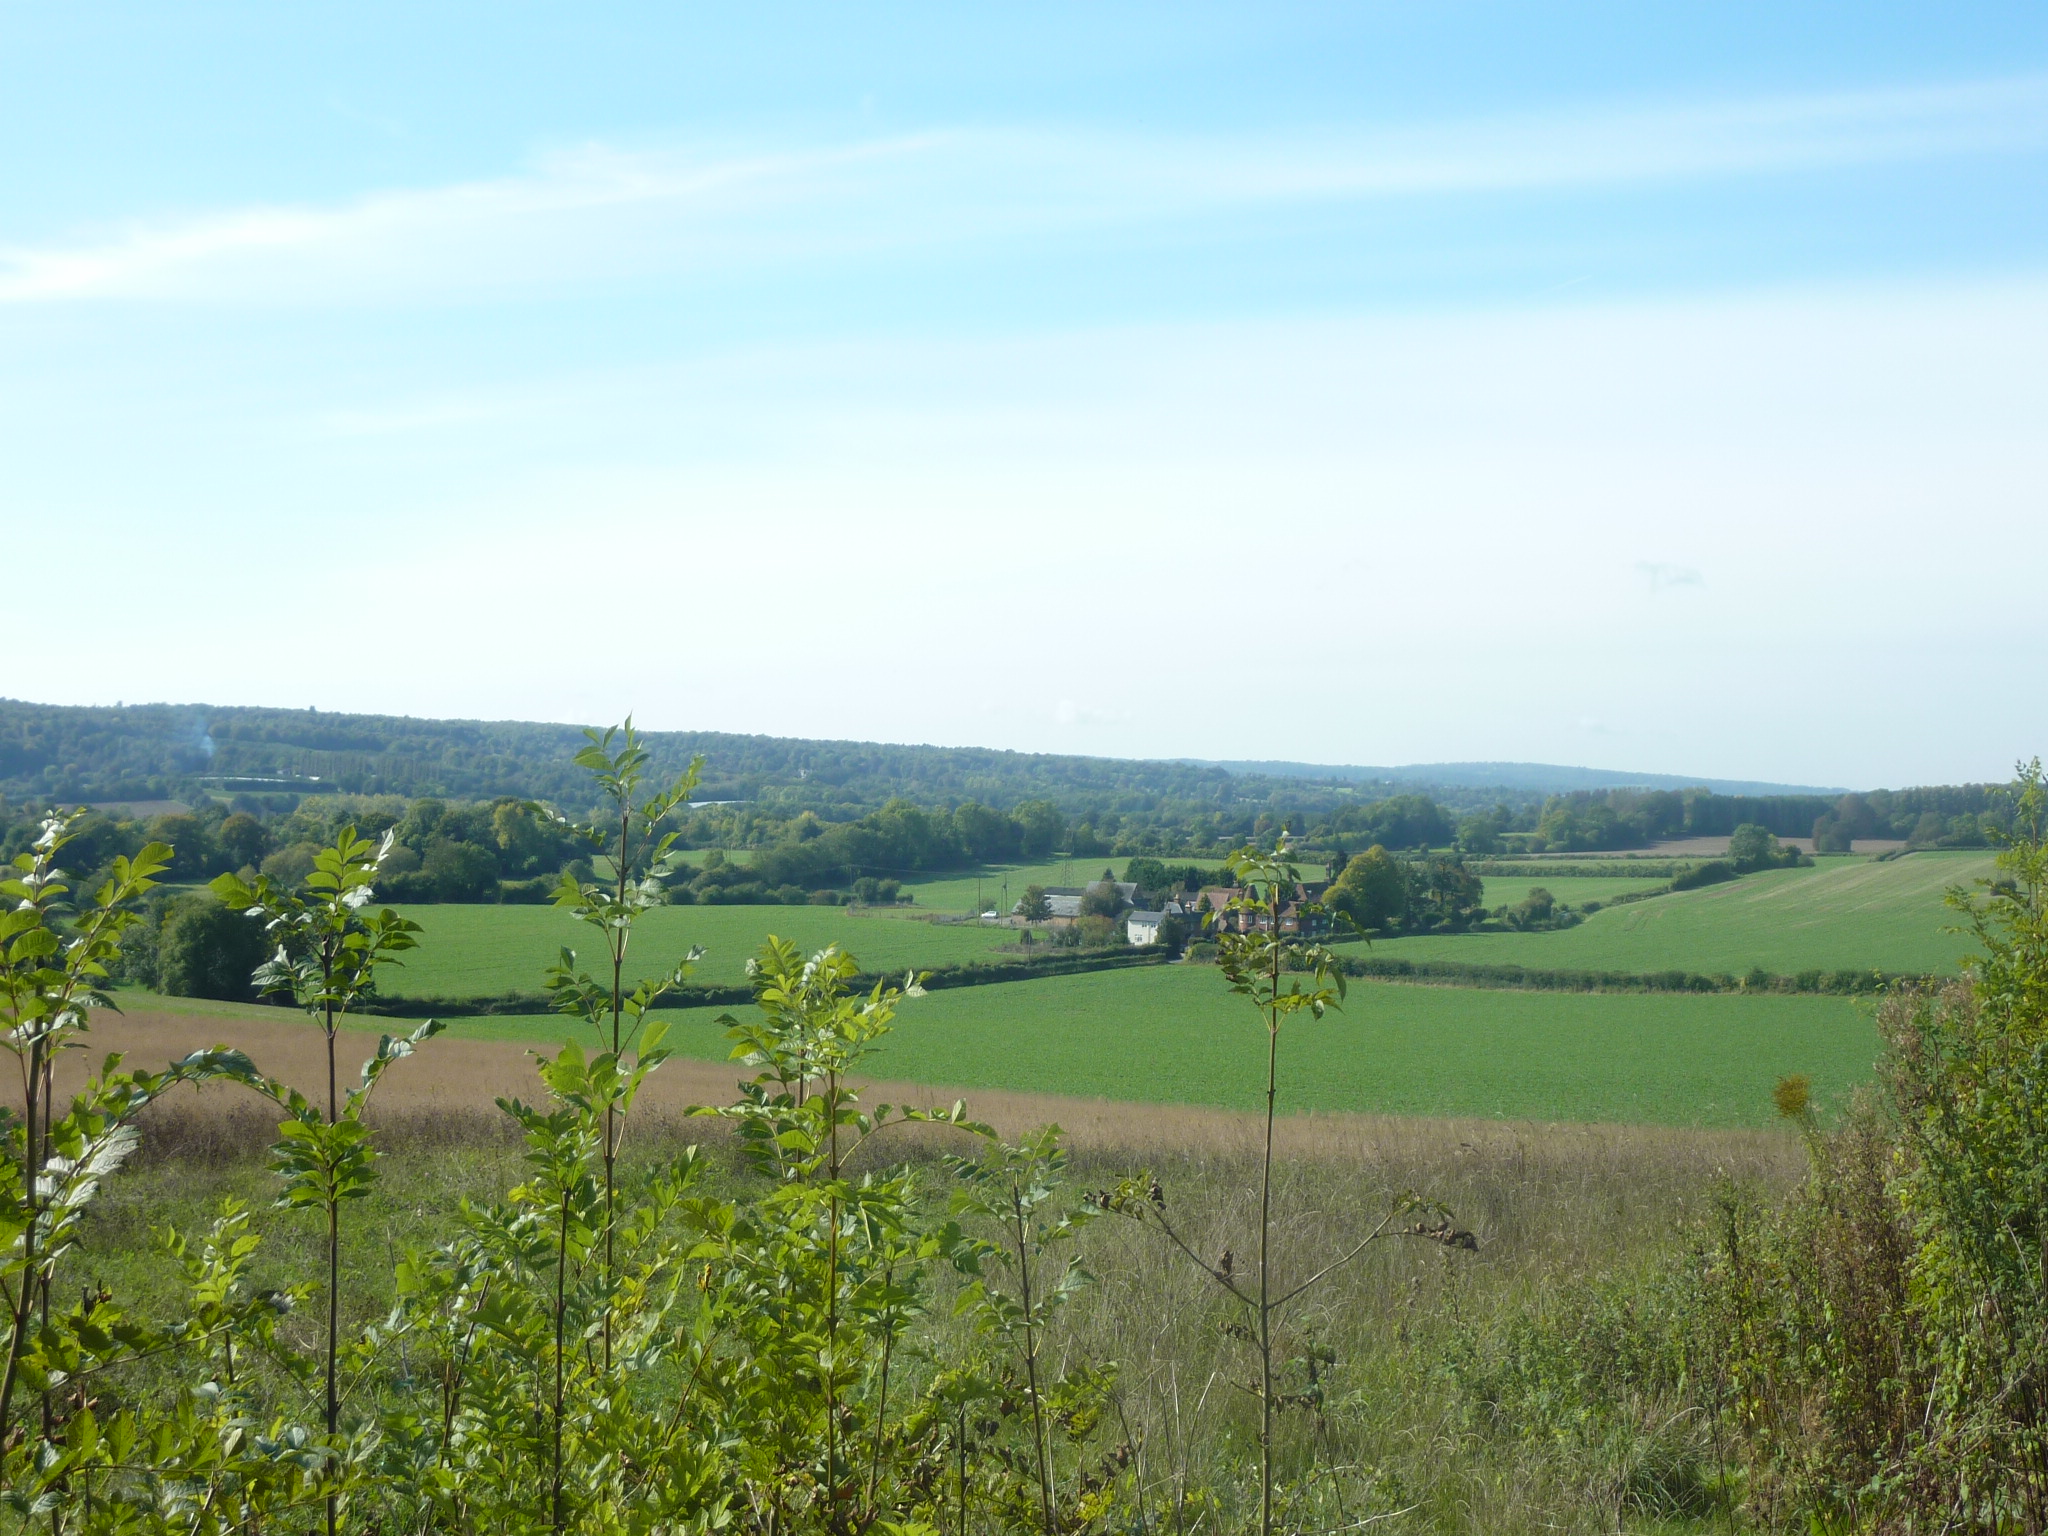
(1215,902)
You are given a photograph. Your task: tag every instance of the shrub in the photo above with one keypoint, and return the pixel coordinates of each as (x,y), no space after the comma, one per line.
(461,871)
(1103,900)
(408,886)
(207,951)
(1713,872)
(290,865)
(1097,931)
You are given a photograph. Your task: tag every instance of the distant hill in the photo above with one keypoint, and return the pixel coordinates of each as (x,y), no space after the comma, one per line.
(157,751)
(161,751)
(1538,778)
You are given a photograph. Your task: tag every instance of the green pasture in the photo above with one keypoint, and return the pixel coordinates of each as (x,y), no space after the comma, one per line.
(1574,890)
(1844,914)
(695,857)
(1173,1034)
(957,893)
(472,951)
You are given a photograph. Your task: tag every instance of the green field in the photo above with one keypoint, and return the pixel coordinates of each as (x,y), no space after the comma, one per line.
(1574,890)
(957,893)
(469,951)
(1844,914)
(1173,1034)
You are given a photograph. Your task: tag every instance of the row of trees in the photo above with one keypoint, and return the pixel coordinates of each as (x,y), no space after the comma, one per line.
(513,850)
(440,851)
(1955,816)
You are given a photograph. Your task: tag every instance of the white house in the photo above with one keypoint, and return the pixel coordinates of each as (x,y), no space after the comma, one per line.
(1143,927)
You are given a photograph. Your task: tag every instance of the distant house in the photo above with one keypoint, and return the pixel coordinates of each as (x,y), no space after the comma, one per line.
(1214,903)
(1143,927)
(1065,900)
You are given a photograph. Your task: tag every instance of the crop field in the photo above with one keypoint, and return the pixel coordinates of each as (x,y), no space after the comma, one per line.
(470,951)
(1172,1034)
(1846,914)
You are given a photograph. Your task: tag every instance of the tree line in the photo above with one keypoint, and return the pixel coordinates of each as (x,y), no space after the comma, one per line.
(1948,816)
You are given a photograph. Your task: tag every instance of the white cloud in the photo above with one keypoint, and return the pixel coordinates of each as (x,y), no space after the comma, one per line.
(598,212)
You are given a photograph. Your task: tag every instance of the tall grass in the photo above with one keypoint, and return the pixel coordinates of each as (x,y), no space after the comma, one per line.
(1391,1419)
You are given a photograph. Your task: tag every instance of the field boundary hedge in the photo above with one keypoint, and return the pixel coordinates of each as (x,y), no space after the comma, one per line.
(1593,869)
(1457,973)
(939,978)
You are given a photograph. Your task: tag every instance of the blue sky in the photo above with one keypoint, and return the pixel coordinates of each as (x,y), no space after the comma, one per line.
(1636,386)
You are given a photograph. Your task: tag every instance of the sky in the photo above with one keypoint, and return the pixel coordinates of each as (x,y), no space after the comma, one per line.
(1647,387)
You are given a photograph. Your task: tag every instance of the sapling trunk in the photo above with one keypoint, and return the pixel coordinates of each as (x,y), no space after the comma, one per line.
(831,1372)
(24,1303)
(1265,1294)
(619,937)
(1031,1358)
(48,1088)
(881,1406)
(1266,1236)
(561,1318)
(333,1228)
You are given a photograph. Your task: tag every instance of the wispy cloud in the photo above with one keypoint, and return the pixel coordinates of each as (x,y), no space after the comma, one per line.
(1663,577)
(598,211)
(565,213)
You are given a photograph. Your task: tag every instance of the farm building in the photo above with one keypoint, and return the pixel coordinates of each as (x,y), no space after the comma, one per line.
(1065,900)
